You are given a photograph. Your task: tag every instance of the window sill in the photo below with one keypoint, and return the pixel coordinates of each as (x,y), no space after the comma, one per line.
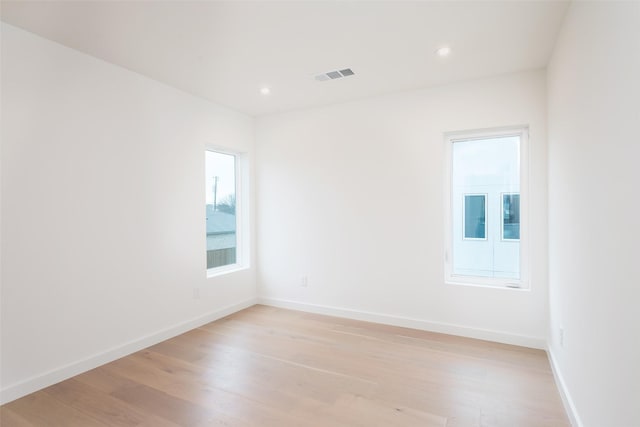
(503,286)
(227,269)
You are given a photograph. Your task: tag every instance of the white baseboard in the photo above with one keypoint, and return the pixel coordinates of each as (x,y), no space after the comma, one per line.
(425,325)
(569,407)
(54,376)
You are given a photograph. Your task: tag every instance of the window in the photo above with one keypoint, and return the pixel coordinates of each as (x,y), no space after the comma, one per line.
(486,176)
(511,216)
(222,210)
(475,216)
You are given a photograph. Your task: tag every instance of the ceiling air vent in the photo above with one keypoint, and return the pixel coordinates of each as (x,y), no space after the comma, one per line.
(332,75)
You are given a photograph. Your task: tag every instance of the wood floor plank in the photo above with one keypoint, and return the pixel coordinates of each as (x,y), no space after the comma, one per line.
(360,411)
(104,380)
(94,403)
(227,391)
(41,409)
(8,418)
(271,367)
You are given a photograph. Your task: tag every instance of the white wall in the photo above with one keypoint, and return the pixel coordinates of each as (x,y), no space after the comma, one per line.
(352,196)
(103,232)
(594,149)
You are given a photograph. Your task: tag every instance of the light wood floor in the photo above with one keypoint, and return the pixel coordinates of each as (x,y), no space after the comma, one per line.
(269,367)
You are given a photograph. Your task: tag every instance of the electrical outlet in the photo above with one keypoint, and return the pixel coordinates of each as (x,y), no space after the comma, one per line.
(196,293)
(561,337)
(304,281)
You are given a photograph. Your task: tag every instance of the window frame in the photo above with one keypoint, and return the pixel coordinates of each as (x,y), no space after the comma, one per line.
(451,138)
(241,196)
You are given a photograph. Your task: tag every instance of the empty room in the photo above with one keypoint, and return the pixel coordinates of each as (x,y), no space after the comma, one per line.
(320,213)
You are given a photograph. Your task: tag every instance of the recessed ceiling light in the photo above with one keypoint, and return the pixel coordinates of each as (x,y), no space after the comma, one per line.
(443,51)
(265,91)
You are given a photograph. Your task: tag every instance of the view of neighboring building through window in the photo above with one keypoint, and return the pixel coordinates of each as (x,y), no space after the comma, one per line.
(475,216)
(221,209)
(511,216)
(484,208)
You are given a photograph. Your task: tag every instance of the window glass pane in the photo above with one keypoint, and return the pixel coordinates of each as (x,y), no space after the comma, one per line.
(485,203)
(511,216)
(474,217)
(221,209)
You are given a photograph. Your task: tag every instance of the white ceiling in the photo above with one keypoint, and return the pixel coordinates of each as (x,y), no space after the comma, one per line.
(226,51)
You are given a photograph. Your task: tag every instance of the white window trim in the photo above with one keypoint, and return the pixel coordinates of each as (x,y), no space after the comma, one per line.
(502,217)
(464,216)
(493,282)
(242,214)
